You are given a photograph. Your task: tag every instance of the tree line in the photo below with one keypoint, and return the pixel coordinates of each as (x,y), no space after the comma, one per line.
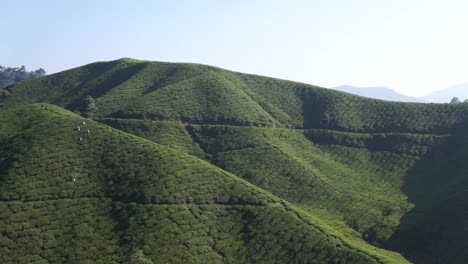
(12,75)
(457,100)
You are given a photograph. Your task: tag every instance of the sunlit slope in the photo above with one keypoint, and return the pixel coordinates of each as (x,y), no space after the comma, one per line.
(204,94)
(73,190)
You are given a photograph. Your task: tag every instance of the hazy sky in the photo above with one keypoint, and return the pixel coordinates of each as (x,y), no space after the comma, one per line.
(412,46)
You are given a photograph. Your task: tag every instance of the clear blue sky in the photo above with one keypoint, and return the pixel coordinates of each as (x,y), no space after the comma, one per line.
(412,46)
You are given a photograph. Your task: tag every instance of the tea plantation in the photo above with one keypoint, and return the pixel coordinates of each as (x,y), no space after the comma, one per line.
(204,165)
(76,191)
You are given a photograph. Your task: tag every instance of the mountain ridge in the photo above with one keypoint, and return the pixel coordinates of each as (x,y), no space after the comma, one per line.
(378,92)
(445,95)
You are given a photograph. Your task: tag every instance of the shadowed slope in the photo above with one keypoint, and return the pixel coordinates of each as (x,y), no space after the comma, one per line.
(434,231)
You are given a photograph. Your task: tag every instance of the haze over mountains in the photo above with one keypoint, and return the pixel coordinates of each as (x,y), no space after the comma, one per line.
(445,95)
(190,163)
(383,93)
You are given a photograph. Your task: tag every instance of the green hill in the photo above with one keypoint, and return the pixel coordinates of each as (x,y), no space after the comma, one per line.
(392,188)
(391,174)
(202,94)
(72,196)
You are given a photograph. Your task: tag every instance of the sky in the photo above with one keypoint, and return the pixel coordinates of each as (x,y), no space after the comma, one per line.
(411,46)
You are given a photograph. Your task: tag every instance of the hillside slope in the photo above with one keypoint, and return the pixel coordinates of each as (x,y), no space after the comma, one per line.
(203,94)
(395,190)
(390,173)
(73,190)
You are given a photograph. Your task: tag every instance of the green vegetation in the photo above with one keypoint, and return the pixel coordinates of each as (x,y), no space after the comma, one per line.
(73,190)
(9,76)
(208,165)
(172,134)
(202,94)
(90,107)
(383,187)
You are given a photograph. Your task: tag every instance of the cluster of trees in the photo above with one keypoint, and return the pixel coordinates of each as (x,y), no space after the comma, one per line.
(456,100)
(9,75)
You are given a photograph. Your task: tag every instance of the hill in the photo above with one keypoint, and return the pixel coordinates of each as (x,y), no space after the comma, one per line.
(395,190)
(381,93)
(96,194)
(445,95)
(392,174)
(194,93)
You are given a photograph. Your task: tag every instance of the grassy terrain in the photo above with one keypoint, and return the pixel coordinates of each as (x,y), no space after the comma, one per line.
(67,195)
(371,174)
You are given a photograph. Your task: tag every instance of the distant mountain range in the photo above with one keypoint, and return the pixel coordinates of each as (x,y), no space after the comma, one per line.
(384,93)
(445,95)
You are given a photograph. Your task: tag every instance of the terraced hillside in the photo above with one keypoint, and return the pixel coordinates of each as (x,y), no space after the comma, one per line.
(396,190)
(391,174)
(194,93)
(73,191)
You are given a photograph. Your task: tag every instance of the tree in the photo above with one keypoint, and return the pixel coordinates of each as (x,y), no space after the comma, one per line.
(12,75)
(90,107)
(40,72)
(455,100)
(4,93)
(139,258)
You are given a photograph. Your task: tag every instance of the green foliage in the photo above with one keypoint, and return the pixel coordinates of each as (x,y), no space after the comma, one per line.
(90,107)
(9,76)
(67,195)
(364,173)
(202,94)
(4,93)
(172,134)
(139,258)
